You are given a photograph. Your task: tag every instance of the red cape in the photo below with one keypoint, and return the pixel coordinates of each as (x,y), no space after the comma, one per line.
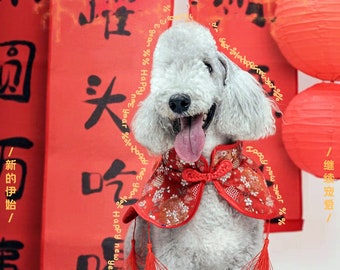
(172,195)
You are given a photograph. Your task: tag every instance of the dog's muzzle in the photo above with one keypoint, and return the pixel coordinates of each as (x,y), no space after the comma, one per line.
(189,129)
(181,107)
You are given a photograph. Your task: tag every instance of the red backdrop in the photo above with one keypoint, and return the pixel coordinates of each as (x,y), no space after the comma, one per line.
(100,59)
(241,29)
(23,66)
(99,62)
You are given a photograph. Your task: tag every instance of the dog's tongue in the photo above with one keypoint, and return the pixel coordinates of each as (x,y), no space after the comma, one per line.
(190,140)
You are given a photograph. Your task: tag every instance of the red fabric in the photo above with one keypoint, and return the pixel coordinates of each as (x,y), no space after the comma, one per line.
(99,61)
(242,32)
(173,193)
(23,74)
(93,165)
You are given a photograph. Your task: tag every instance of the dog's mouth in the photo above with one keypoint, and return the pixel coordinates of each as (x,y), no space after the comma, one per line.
(190,134)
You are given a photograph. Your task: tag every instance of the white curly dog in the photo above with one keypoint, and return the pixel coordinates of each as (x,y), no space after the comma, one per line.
(199,101)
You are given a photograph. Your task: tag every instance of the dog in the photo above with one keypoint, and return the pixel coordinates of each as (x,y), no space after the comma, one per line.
(200,101)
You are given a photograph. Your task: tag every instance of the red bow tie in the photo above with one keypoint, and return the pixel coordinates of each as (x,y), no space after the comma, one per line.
(222,168)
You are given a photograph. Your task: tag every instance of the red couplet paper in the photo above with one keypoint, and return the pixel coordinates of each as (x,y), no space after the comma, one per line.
(241,30)
(63,193)
(100,58)
(23,66)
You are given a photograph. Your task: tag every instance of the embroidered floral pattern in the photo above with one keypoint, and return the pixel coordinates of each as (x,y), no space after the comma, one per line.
(170,199)
(248,201)
(158,195)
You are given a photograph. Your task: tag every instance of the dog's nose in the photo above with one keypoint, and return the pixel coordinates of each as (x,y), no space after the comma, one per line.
(179,103)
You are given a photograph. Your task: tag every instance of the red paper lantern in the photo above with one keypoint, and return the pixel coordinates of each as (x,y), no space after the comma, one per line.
(308,35)
(311,129)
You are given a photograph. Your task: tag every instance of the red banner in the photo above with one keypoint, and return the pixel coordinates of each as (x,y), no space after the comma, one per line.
(241,31)
(100,59)
(23,66)
(100,55)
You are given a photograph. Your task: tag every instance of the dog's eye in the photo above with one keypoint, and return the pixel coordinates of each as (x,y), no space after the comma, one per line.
(210,69)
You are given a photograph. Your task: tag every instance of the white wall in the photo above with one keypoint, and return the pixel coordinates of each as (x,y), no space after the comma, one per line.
(317,246)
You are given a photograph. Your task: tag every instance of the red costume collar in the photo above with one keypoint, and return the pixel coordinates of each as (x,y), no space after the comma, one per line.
(172,195)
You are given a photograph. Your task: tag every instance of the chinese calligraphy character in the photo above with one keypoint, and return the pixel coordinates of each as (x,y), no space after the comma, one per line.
(329,204)
(108,245)
(16,2)
(328,165)
(329,191)
(264,70)
(328,178)
(102,103)
(82,18)
(116,168)
(15,76)
(220,2)
(10,164)
(10,204)
(257,9)
(9,252)
(11,178)
(19,142)
(84,261)
(120,14)
(10,190)
(252,8)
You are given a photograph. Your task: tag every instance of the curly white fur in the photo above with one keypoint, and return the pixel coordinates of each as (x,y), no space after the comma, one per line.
(218,237)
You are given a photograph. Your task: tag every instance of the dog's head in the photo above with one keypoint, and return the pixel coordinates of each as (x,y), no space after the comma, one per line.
(197,92)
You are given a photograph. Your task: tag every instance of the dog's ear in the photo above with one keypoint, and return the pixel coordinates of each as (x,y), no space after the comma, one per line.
(150,130)
(245,111)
